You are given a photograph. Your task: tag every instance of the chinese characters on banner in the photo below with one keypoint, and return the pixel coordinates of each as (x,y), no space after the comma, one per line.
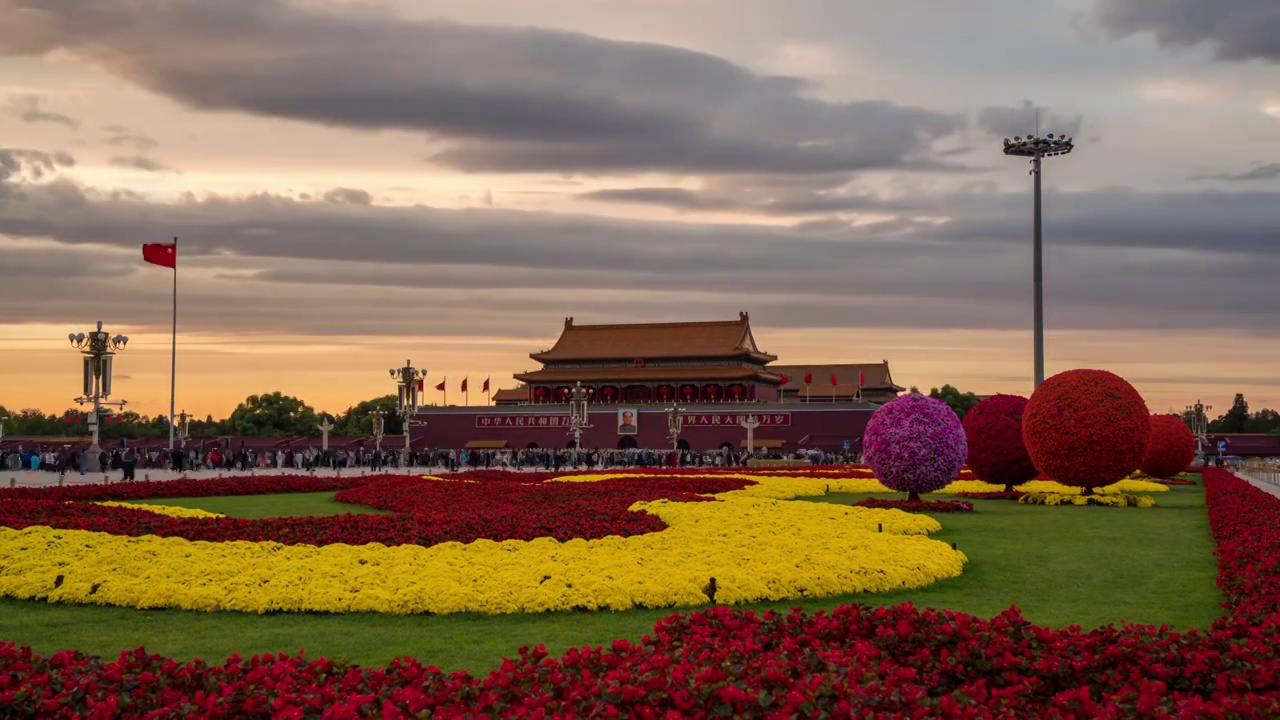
(508,421)
(712,419)
(690,420)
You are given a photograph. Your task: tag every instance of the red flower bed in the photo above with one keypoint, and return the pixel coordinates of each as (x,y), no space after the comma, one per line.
(246,485)
(935,506)
(427,512)
(854,661)
(1173,481)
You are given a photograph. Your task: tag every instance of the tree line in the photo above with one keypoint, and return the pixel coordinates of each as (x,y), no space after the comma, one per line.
(268,415)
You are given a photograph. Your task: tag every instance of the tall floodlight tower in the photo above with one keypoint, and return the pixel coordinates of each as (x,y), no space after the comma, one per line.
(1037,148)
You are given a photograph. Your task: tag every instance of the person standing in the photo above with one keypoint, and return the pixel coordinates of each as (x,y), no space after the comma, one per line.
(128,461)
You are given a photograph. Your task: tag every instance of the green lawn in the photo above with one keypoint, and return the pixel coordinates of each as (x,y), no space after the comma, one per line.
(1062,565)
(267,506)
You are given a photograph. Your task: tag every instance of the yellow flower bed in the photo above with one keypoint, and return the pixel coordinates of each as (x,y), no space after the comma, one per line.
(755,545)
(170,510)
(1110,499)
(1049,486)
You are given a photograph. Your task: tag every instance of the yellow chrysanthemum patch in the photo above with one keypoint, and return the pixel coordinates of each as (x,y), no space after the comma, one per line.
(170,510)
(757,548)
(1109,500)
(1049,486)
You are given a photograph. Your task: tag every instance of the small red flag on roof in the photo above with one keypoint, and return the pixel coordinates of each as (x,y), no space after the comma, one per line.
(162,254)
(486,386)
(834,382)
(464,384)
(440,387)
(422,384)
(862,378)
(808,377)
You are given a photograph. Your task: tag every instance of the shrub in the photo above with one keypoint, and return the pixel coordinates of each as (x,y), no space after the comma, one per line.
(997,454)
(1086,428)
(915,444)
(1171,449)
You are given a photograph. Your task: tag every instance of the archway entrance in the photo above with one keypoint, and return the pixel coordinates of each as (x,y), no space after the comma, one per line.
(683,445)
(626,442)
(531,446)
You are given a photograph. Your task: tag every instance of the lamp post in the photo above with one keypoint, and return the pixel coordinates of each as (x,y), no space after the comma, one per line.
(751,422)
(407,379)
(578,415)
(1200,425)
(325,426)
(183,428)
(378,418)
(98,348)
(1038,148)
(675,422)
(3,419)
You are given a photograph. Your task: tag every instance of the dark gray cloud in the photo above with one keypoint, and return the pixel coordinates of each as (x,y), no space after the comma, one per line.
(508,99)
(1266,171)
(139,162)
(348,196)
(1234,29)
(1006,121)
(1114,260)
(28,108)
(17,163)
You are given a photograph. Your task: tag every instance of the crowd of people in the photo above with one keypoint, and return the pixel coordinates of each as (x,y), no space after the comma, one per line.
(127,460)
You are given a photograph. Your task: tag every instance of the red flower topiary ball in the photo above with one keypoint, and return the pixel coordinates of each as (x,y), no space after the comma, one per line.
(997,454)
(1171,449)
(1086,428)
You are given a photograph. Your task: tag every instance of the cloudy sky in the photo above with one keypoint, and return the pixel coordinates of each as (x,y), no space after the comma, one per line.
(359,182)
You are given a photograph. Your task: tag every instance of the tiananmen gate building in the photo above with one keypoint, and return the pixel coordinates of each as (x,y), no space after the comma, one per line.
(634,373)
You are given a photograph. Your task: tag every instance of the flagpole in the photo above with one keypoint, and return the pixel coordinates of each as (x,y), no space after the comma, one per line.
(173,356)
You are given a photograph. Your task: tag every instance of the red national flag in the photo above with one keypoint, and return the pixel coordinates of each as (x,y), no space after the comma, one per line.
(440,387)
(422,384)
(464,384)
(786,378)
(862,378)
(486,386)
(162,254)
(833,380)
(808,377)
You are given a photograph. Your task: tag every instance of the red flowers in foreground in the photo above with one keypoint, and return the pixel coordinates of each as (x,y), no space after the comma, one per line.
(855,661)
(426,512)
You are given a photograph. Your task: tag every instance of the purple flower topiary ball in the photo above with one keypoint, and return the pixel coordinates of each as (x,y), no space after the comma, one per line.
(915,444)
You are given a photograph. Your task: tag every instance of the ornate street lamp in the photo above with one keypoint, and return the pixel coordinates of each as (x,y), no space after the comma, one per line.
(407,379)
(378,424)
(578,420)
(1036,148)
(1200,425)
(3,419)
(675,422)
(98,348)
(184,427)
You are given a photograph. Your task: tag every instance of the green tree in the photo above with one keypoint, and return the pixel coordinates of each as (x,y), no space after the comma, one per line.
(356,422)
(1235,420)
(960,402)
(272,415)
